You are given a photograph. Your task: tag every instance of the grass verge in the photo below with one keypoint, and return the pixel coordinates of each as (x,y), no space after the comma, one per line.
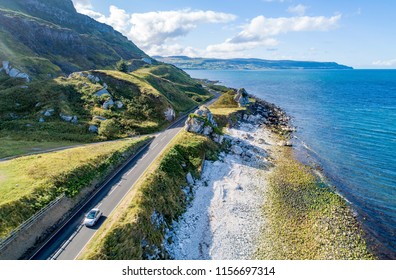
(137,228)
(29,183)
(306,220)
(11,147)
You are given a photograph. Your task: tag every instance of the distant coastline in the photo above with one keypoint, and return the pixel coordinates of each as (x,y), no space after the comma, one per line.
(189,63)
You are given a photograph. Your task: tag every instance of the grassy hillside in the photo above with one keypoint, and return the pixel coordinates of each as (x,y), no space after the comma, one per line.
(29,183)
(145,95)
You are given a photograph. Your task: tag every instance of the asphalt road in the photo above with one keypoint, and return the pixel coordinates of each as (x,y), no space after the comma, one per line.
(72,238)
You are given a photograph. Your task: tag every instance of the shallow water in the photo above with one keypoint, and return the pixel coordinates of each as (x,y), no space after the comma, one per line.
(346,121)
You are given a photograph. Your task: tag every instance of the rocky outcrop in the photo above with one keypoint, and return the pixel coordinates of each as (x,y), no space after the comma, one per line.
(101,92)
(109,103)
(169,114)
(242,98)
(14,72)
(69,118)
(93,129)
(49,112)
(119,104)
(202,122)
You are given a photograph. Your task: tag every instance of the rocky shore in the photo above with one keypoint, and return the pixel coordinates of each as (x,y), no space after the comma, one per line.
(225,218)
(249,204)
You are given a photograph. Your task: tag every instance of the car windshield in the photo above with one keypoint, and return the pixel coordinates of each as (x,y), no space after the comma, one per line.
(91,215)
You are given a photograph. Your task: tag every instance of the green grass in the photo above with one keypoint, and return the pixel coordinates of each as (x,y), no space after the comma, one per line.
(305,219)
(145,96)
(11,147)
(226,109)
(29,183)
(130,232)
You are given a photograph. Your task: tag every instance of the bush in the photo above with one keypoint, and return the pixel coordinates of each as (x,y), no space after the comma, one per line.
(122,66)
(109,129)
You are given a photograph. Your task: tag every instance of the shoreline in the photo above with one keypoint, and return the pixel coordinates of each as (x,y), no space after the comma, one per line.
(216,236)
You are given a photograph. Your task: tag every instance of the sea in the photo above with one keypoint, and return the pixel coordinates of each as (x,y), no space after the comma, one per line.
(346,124)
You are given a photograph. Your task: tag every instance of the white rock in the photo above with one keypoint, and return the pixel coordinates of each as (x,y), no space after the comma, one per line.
(66,118)
(236,150)
(49,112)
(93,129)
(207,130)
(101,92)
(108,103)
(190,179)
(119,104)
(170,114)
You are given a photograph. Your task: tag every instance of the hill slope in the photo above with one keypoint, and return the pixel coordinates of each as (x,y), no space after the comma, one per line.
(70,90)
(50,37)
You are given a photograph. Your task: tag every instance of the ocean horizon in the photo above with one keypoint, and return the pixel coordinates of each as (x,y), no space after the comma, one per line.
(345,122)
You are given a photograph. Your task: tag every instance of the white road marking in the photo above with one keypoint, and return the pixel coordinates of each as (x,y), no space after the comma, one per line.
(114,189)
(154,146)
(129,172)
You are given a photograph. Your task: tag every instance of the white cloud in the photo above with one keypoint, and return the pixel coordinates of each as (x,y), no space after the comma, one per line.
(118,19)
(261,30)
(159,27)
(85,7)
(155,32)
(388,63)
(297,10)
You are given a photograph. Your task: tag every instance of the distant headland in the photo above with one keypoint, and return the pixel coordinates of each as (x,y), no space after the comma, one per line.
(185,62)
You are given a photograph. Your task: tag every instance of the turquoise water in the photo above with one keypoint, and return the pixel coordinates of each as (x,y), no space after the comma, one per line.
(346,121)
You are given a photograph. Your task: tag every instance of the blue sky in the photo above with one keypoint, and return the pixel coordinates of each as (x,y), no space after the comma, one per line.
(356,33)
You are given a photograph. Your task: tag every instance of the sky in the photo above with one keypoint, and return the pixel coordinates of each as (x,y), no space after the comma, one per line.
(355,33)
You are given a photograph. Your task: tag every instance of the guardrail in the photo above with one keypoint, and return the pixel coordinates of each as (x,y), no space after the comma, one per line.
(26,224)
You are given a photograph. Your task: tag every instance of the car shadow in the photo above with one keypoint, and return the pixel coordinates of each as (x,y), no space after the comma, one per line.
(101,220)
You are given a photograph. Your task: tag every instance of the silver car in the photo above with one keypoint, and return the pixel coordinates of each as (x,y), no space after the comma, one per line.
(92,217)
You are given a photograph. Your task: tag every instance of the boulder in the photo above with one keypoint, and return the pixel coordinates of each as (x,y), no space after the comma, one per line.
(218,138)
(49,112)
(236,150)
(119,104)
(68,118)
(93,129)
(101,92)
(93,78)
(170,114)
(107,104)
(194,125)
(261,141)
(204,112)
(242,98)
(285,143)
(190,179)
(98,118)
(13,72)
(207,130)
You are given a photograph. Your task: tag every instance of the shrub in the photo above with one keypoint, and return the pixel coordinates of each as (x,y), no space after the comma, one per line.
(109,129)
